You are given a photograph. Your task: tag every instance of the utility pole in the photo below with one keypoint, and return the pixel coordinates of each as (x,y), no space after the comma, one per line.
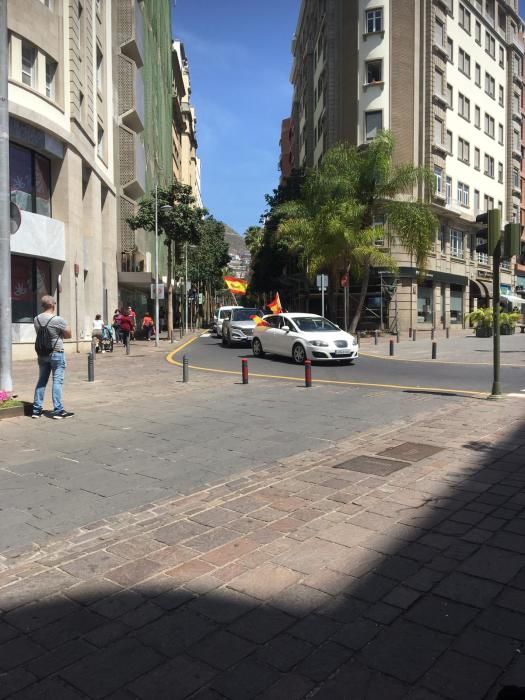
(6,381)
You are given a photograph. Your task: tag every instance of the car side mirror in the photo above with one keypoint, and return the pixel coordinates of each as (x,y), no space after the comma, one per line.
(285,328)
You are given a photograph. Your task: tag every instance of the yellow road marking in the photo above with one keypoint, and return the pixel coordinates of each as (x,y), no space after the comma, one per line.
(436,362)
(339,382)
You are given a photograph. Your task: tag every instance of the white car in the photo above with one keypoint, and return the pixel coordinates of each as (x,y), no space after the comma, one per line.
(304,337)
(223,313)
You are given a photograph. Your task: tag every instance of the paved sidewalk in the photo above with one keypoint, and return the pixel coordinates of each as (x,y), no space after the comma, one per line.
(400,576)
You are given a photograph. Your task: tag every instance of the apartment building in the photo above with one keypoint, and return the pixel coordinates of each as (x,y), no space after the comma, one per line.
(285,144)
(520,264)
(61,163)
(446,77)
(186,163)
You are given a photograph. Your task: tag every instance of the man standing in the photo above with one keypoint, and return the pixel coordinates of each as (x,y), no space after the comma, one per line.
(51,331)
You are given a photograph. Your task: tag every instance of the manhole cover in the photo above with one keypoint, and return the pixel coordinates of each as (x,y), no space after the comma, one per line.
(372,465)
(411,451)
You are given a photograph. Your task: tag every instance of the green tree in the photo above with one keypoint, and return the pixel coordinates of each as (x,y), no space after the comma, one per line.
(335,218)
(180,225)
(254,239)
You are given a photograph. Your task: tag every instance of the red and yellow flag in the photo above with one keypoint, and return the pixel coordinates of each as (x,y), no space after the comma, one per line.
(275,305)
(236,285)
(259,321)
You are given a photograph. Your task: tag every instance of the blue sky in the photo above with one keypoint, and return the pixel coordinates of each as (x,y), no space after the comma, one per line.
(240,60)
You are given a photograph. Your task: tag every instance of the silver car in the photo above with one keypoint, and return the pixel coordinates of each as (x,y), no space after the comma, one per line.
(238,328)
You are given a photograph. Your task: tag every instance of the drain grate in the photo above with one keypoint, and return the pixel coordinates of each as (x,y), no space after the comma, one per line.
(372,465)
(411,451)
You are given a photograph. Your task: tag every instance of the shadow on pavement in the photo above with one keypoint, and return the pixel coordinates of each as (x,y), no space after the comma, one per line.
(416,592)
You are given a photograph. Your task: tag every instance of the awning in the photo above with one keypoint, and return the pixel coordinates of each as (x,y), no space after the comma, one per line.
(485,289)
(513,299)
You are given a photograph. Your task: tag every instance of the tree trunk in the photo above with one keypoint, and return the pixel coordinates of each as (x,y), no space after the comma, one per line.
(169,321)
(362,297)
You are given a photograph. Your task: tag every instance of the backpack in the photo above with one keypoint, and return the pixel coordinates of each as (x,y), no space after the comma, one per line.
(44,344)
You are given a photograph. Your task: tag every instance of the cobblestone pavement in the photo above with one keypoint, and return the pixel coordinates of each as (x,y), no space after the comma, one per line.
(399,575)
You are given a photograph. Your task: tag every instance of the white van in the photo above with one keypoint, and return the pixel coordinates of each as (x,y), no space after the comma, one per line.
(223,313)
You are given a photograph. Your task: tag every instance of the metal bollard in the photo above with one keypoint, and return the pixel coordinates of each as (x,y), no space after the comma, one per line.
(244,370)
(414,334)
(375,337)
(91,368)
(448,332)
(185,369)
(434,350)
(308,373)
(398,336)
(391,348)
(409,332)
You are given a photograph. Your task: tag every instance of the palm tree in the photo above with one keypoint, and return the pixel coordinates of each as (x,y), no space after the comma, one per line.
(341,202)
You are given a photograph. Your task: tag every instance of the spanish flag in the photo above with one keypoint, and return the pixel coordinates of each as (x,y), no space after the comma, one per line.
(236,285)
(275,305)
(259,321)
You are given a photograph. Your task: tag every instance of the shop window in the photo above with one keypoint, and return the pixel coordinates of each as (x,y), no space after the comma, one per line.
(30,280)
(456,303)
(424,302)
(30,180)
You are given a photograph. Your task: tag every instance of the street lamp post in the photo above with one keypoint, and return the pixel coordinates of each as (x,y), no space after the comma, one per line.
(186,287)
(165,208)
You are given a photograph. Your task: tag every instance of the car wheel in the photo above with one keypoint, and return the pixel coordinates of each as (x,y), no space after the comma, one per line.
(298,354)
(257,348)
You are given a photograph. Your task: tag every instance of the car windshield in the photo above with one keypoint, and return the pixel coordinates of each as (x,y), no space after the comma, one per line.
(312,324)
(244,314)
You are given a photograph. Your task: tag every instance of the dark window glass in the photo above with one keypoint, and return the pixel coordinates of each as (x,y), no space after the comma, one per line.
(30,280)
(42,185)
(30,180)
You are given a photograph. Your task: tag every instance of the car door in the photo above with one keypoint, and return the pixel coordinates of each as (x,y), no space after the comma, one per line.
(281,339)
(268,336)
(287,339)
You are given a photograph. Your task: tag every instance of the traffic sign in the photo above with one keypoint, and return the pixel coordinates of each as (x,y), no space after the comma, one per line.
(157,291)
(322,282)
(344,280)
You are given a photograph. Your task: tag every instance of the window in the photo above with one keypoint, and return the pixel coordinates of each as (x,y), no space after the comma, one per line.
(502,56)
(448,190)
(450,95)
(516,178)
(477,117)
(488,202)
(489,125)
(516,103)
(81,105)
(438,82)
(450,50)
(438,130)
(477,32)
(51,68)
(489,165)
(30,180)
(516,141)
(490,45)
(477,155)
(490,85)
(374,20)
(476,200)
(100,141)
(456,243)
(29,74)
(438,177)
(442,238)
(373,124)
(464,62)
(449,142)
(477,75)
(99,7)
(30,280)
(500,134)
(463,194)
(501,95)
(439,33)
(463,150)
(456,303)
(425,294)
(374,72)
(80,18)
(464,18)
(100,71)
(464,106)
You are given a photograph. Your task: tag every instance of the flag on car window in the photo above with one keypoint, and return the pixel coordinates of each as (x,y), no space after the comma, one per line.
(259,321)
(236,285)
(275,305)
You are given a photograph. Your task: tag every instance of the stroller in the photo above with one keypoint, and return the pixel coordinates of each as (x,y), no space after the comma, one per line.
(106,342)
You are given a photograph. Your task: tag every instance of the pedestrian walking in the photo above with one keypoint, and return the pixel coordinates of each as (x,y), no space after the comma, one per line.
(49,346)
(96,333)
(147,326)
(133,317)
(126,326)
(116,325)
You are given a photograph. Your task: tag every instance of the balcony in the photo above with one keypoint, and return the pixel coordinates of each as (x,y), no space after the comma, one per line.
(445,5)
(440,147)
(132,163)
(40,237)
(130,30)
(441,50)
(517,43)
(440,98)
(130,94)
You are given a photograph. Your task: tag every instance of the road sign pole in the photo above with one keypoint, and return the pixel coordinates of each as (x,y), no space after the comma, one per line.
(496,384)
(322,296)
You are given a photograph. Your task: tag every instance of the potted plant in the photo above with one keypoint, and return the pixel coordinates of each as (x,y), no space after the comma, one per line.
(482,320)
(10,407)
(507,322)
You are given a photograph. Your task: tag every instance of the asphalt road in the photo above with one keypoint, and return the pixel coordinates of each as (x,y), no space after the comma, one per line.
(208,354)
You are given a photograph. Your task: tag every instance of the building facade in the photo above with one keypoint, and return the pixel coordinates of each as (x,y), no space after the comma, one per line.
(446,77)
(61,163)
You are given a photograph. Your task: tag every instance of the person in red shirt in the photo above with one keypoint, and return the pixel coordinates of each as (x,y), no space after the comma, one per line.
(133,317)
(147,325)
(126,326)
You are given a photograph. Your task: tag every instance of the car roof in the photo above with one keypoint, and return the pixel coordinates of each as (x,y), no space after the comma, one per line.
(296,315)
(229,308)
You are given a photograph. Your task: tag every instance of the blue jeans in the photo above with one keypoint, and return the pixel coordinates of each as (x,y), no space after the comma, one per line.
(55,364)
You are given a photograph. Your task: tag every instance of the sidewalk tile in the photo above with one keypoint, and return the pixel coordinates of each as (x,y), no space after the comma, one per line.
(487,647)
(230,552)
(247,680)
(494,564)
(175,632)
(466,589)
(315,629)
(289,687)
(133,572)
(458,676)
(441,614)
(365,685)
(221,649)
(502,621)
(262,624)
(284,652)
(92,565)
(224,605)
(264,581)
(63,656)
(179,531)
(44,690)
(189,570)
(18,651)
(173,680)
(324,660)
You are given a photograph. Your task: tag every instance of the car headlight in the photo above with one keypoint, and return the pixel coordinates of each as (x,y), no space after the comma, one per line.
(319,343)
